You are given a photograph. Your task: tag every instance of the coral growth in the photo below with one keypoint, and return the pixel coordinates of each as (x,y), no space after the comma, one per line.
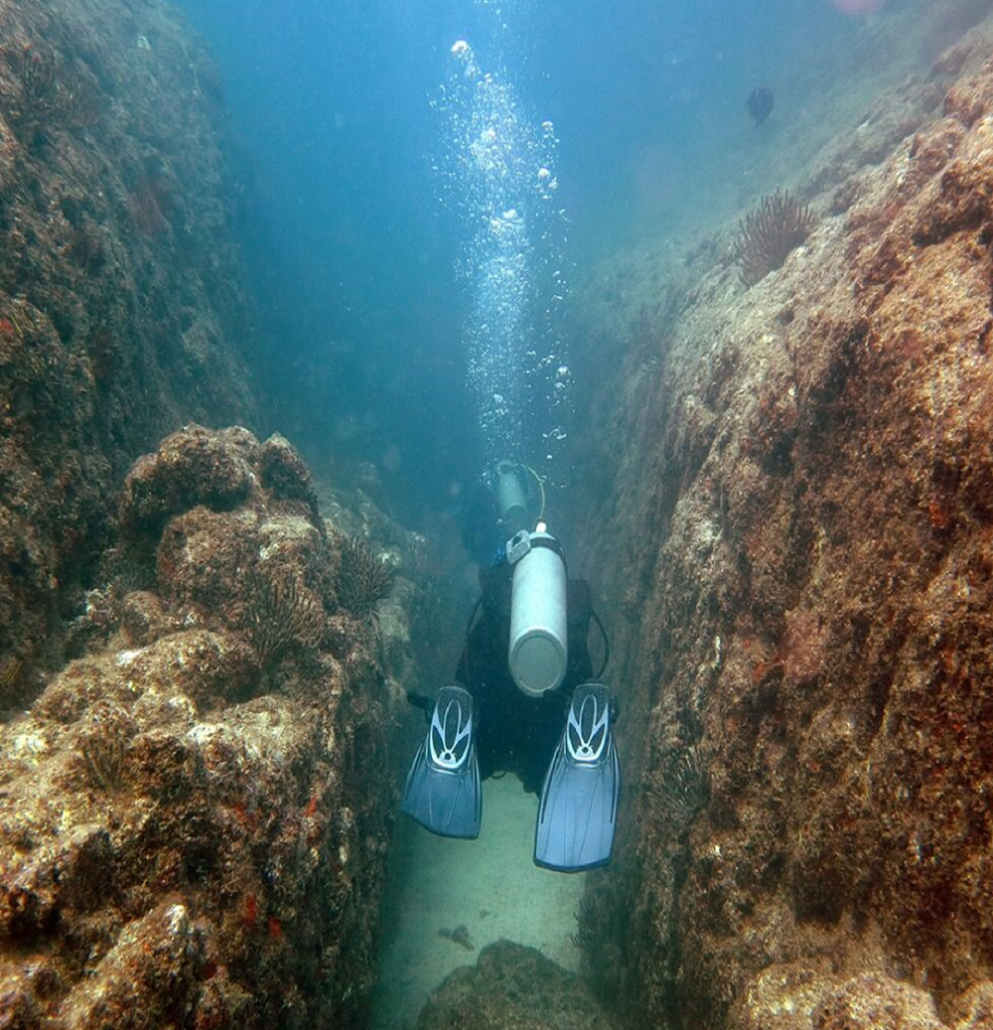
(38,98)
(51,92)
(281,613)
(815,540)
(363,578)
(103,740)
(513,986)
(96,319)
(767,235)
(207,755)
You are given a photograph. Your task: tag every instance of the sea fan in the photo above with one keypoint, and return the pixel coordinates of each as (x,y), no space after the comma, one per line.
(767,235)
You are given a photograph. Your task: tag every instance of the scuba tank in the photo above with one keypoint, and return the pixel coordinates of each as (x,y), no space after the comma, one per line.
(511,494)
(539,643)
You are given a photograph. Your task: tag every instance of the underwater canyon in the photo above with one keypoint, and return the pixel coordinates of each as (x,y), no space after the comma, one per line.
(780,483)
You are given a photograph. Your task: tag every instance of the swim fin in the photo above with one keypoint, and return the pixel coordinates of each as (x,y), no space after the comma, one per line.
(577,813)
(443,791)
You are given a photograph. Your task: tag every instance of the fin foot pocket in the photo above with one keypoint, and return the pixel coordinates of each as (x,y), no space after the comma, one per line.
(443,791)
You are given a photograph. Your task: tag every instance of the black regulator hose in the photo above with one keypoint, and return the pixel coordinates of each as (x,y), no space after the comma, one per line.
(606,643)
(468,635)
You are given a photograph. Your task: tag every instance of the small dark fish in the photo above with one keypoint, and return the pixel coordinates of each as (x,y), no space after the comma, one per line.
(760,103)
(460,935)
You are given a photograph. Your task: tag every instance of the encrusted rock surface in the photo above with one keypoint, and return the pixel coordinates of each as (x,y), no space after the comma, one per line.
(193,821)
(122,309)
(513,988)
(789,499)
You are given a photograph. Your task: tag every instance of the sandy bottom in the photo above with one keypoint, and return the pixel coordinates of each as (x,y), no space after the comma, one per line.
(490,886)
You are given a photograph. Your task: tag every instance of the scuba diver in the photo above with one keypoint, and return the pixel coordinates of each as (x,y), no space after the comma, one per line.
(525,698)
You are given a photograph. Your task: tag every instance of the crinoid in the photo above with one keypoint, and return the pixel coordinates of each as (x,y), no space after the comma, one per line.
(767,235)
(102,744)
(687,782)
(281,613)
(363,578)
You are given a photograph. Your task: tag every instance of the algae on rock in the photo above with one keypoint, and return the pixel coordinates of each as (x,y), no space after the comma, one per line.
(192,830)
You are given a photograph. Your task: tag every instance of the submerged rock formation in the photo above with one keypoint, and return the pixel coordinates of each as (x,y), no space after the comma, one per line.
(513,986)
(198,674)
(121,289)
(790,505)
(193,818)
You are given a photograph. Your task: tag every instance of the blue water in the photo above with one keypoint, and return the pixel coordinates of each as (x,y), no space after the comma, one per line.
(390,339)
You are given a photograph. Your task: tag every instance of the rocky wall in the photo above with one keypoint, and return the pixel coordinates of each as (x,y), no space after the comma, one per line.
(195,814)
(787,496)
(122,313)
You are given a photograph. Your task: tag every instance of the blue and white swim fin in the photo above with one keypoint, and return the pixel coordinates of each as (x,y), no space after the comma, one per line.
(443,791)
(577,813)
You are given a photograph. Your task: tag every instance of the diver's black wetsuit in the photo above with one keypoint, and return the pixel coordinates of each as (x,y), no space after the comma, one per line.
(515,732)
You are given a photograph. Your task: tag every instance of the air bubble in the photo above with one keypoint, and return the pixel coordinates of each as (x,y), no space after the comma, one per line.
(498,167)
